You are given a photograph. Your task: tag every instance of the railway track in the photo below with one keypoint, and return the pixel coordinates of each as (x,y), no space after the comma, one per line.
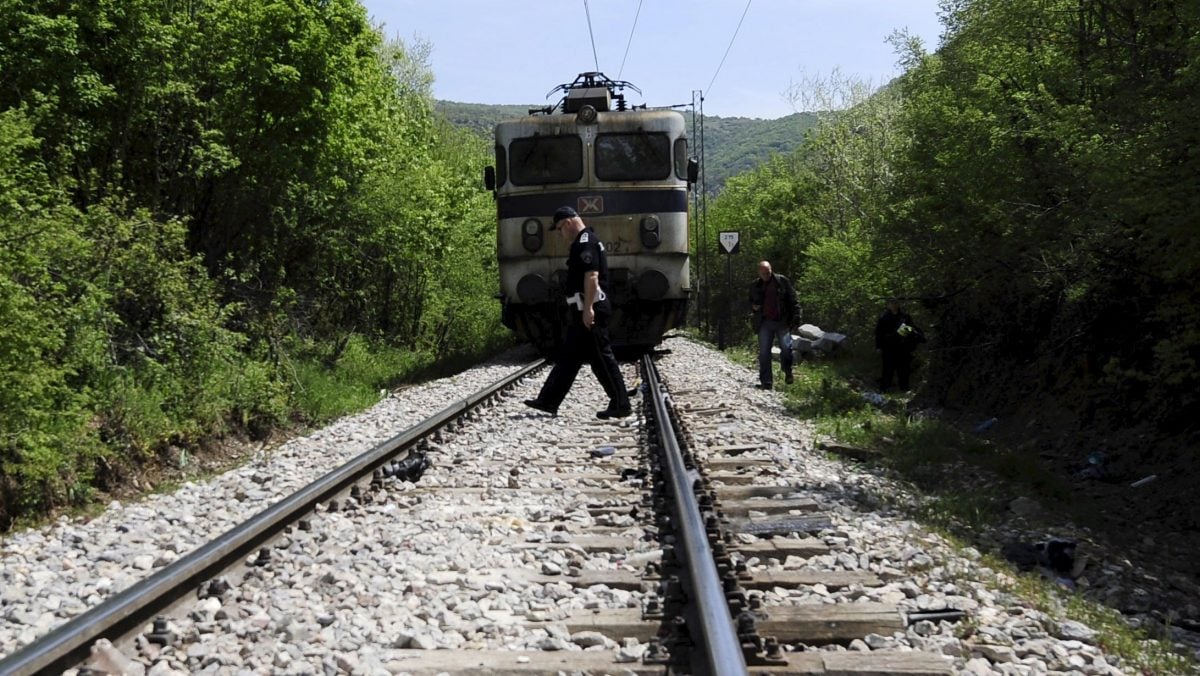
(533,544)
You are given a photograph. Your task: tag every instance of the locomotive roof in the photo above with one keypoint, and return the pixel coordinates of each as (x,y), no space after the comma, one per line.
(566,123)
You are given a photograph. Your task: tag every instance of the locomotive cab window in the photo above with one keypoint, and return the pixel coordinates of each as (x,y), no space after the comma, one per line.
(681,158)
(545,159)
(633,157)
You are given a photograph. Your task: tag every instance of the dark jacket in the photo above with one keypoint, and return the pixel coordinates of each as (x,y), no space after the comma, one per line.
(587,255)
(789,307)
(888,336)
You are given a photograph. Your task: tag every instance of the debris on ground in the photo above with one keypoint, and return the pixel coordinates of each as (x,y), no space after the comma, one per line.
(855,452)
(602,452)
(810,340)
(1094,468)
(1056,559)
(985,425)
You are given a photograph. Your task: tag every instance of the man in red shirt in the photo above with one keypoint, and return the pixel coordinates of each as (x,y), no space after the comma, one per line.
(776,313)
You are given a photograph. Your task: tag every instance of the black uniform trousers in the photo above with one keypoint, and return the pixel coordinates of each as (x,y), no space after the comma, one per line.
(595,348)
(897,360)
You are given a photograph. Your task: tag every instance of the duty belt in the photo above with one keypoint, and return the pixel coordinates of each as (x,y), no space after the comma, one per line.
(576,300)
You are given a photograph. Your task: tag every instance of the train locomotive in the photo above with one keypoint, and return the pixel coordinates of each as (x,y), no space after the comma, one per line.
(627,172)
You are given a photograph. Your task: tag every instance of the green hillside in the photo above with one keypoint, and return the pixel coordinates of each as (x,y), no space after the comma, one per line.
(733,145)
(479,117)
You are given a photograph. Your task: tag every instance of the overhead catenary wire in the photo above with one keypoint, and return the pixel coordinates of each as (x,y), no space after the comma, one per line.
(592,35)
(630,42)
(735,34)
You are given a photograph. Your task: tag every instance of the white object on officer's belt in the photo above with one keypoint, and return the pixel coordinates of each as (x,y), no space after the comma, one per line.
(576,300)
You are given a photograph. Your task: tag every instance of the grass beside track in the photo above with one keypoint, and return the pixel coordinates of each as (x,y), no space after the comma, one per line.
(963,484)
(325,389)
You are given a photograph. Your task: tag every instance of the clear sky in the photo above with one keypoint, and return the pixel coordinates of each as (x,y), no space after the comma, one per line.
(515,51)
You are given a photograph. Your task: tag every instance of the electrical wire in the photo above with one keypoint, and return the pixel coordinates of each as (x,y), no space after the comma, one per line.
(592,35)
(631,30)
(735,33)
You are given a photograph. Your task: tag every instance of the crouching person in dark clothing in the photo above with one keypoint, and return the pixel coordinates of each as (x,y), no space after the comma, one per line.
(776,313)
(896,337)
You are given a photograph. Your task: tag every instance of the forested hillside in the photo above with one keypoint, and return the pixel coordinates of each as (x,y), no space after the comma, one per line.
(214,218)
(480,118)
(733,145)
(1030,190)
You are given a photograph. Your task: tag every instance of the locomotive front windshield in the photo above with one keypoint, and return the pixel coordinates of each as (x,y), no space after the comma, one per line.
(539,160)
(633,157)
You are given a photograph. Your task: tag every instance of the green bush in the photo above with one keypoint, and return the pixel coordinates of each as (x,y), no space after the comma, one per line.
(51,336)
(191,199)
(177,372)
(355,379)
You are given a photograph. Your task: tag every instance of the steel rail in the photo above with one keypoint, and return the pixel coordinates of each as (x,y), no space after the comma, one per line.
(718,640)
(69,644)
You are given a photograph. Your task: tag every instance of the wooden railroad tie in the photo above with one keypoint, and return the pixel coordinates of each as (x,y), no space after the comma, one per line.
(527,663)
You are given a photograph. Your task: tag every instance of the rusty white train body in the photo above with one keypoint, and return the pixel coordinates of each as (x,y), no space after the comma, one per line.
(627,172)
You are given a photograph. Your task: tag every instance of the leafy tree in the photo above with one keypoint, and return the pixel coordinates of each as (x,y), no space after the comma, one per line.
(192,197)
(1041,188)
(816,214)
(48,330)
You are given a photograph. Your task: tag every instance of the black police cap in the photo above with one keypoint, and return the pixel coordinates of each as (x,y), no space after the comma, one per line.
(562,214)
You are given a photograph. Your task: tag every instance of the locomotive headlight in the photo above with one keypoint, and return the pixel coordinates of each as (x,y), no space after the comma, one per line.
(531,234)
(586,115)
(651,237)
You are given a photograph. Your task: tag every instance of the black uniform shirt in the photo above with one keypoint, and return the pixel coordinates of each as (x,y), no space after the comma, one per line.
(886,336)
(587,255)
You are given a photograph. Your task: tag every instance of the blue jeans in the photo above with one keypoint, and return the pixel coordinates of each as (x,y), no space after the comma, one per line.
(769,332)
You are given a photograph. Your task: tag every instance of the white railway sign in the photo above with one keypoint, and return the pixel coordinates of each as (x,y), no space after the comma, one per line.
(729,242)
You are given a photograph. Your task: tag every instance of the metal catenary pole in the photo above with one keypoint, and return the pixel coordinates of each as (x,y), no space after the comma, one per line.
(696,239)
(704,290)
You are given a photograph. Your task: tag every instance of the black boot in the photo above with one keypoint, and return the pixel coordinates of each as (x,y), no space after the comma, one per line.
(541,406)
(614,411)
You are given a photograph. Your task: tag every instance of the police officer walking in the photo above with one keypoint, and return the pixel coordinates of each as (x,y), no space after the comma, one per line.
(587,331)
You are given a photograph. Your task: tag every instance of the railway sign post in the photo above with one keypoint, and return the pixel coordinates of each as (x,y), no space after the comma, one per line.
(729,244)
(729,241)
